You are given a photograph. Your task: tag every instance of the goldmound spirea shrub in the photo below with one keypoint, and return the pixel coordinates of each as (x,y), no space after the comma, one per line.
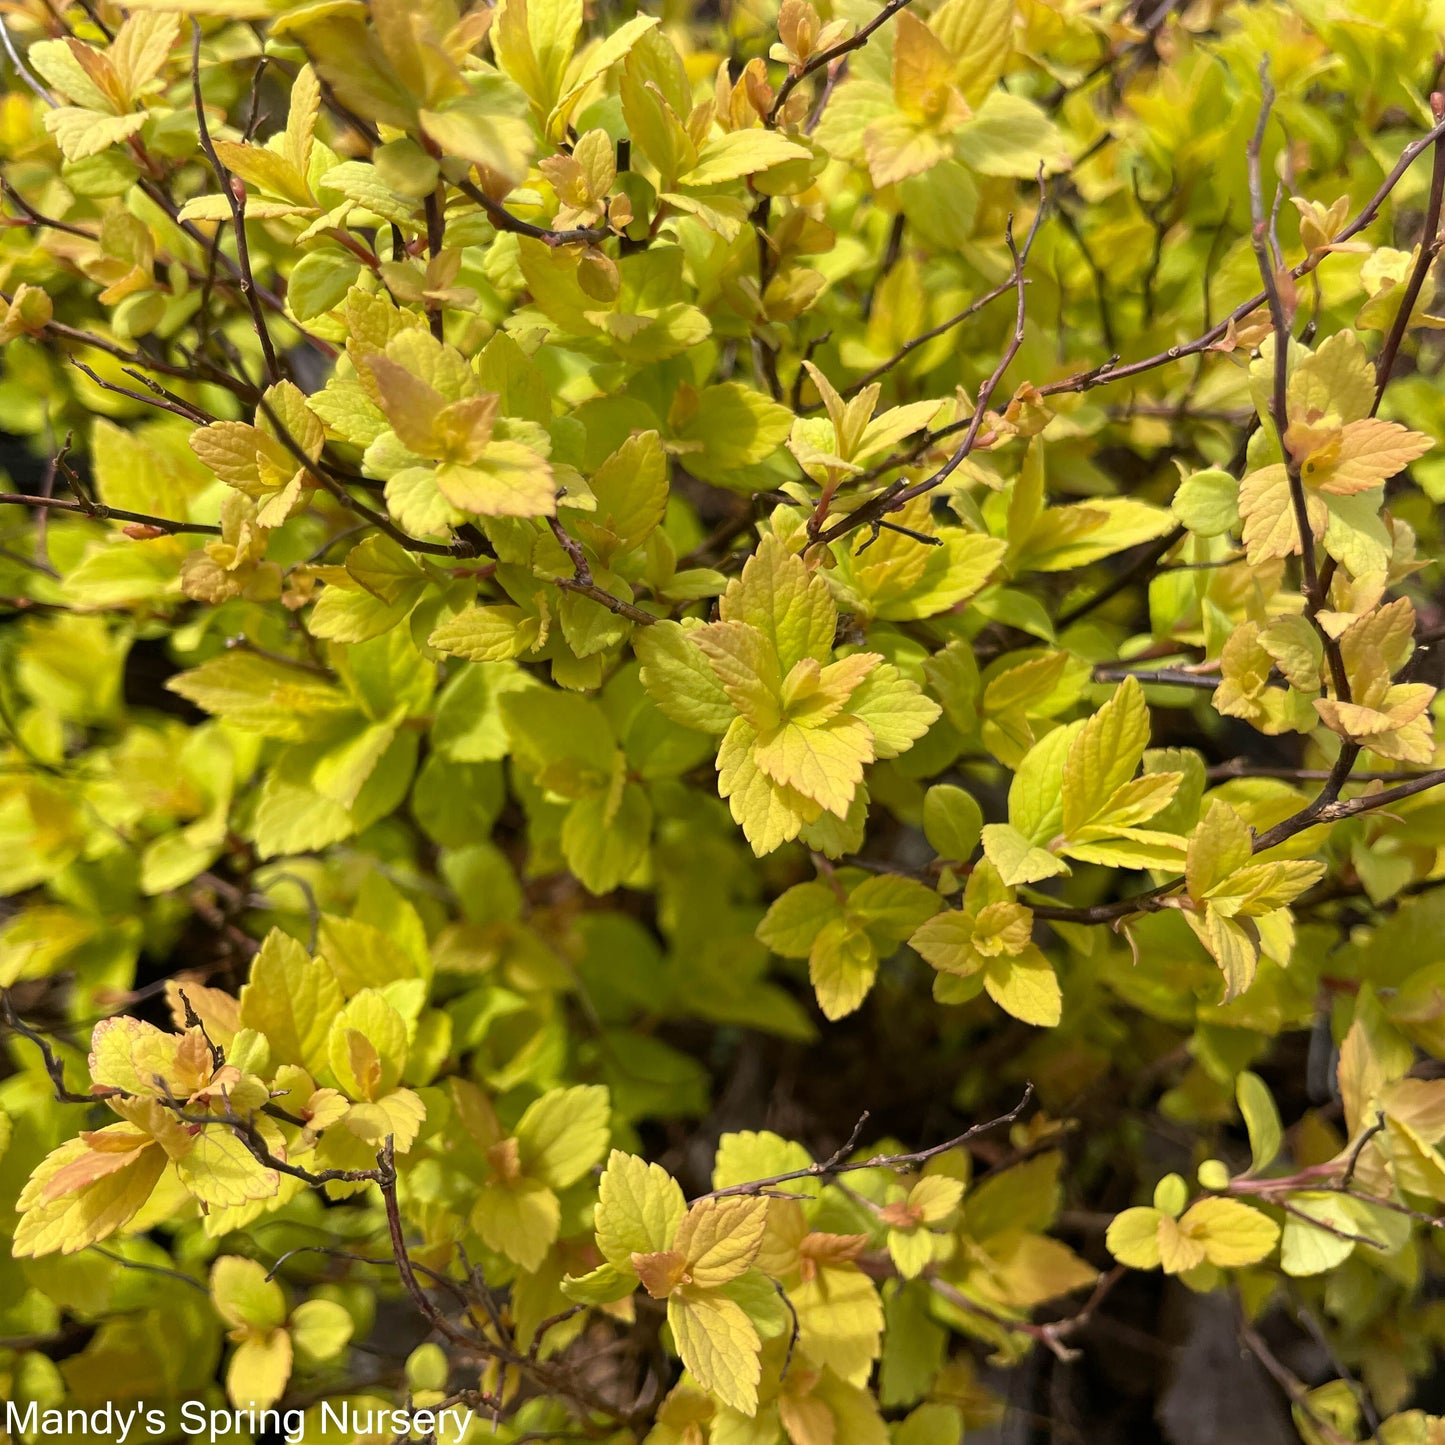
(720,724)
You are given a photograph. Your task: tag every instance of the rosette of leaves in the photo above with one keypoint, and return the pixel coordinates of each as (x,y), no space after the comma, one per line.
(1342,453)
(836,447)
(446,453)
(935,104)
(697,1259)
(798,724)
(95,1184)
(268,1337)
(1075,795)
(1209,1235)
(558,1139)
(919,1221)
(812,1249)
(540,616)
(1235,906)
(987,946)
(107,87)
(270,461)
(844,927)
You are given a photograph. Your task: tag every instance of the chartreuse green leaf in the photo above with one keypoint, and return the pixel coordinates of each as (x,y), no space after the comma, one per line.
(255,1308)
(988,945)
(1261,1118)
(844,933)
(639,1207)
(562,1134)
(686,1256)
(293,1000)
(1228,892)
(558,1139)
(267,1339)
(952,821)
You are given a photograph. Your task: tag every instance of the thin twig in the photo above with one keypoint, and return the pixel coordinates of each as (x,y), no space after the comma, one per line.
(893,498)
(582,582)
(235,193)
(837,1162)
(1430,241)
(99,512)
(53,1067)
(145,1268)
(20,67)
(923,338)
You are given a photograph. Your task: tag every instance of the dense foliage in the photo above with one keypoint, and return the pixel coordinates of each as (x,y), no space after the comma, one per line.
(598,594)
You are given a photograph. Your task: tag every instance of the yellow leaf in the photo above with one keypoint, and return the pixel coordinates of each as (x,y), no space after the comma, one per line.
(1338,378)
(367,1046)
(1026,987)
(1133,1237)
(218,1011)
(243,1296)
(923,75)
(746,667)
(840,1320)
(895,708)
(562,1134)
(301,119)
(979,34)
(1018,861)
(639,1206)
(719,1345)
(519,1220)
(1232,947)
(129,1054)
(1029,1269)
(292,999)
(769,813)
(898,147)
(1105,755)
(266,171)
(935,1197)
(1232,1234)
(320,1329)
(84,133)
(140,48)
(1418,1168)
(1370,452)
(740,153)
(1306,1248)
(787,602)
(398,1115)
(1268,513)
(219,1169)
(842,965)
(719,1238)
(90,1213)
(1219,845)
(507,480)
(824,763)
(259,1369)
(1179,1252)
